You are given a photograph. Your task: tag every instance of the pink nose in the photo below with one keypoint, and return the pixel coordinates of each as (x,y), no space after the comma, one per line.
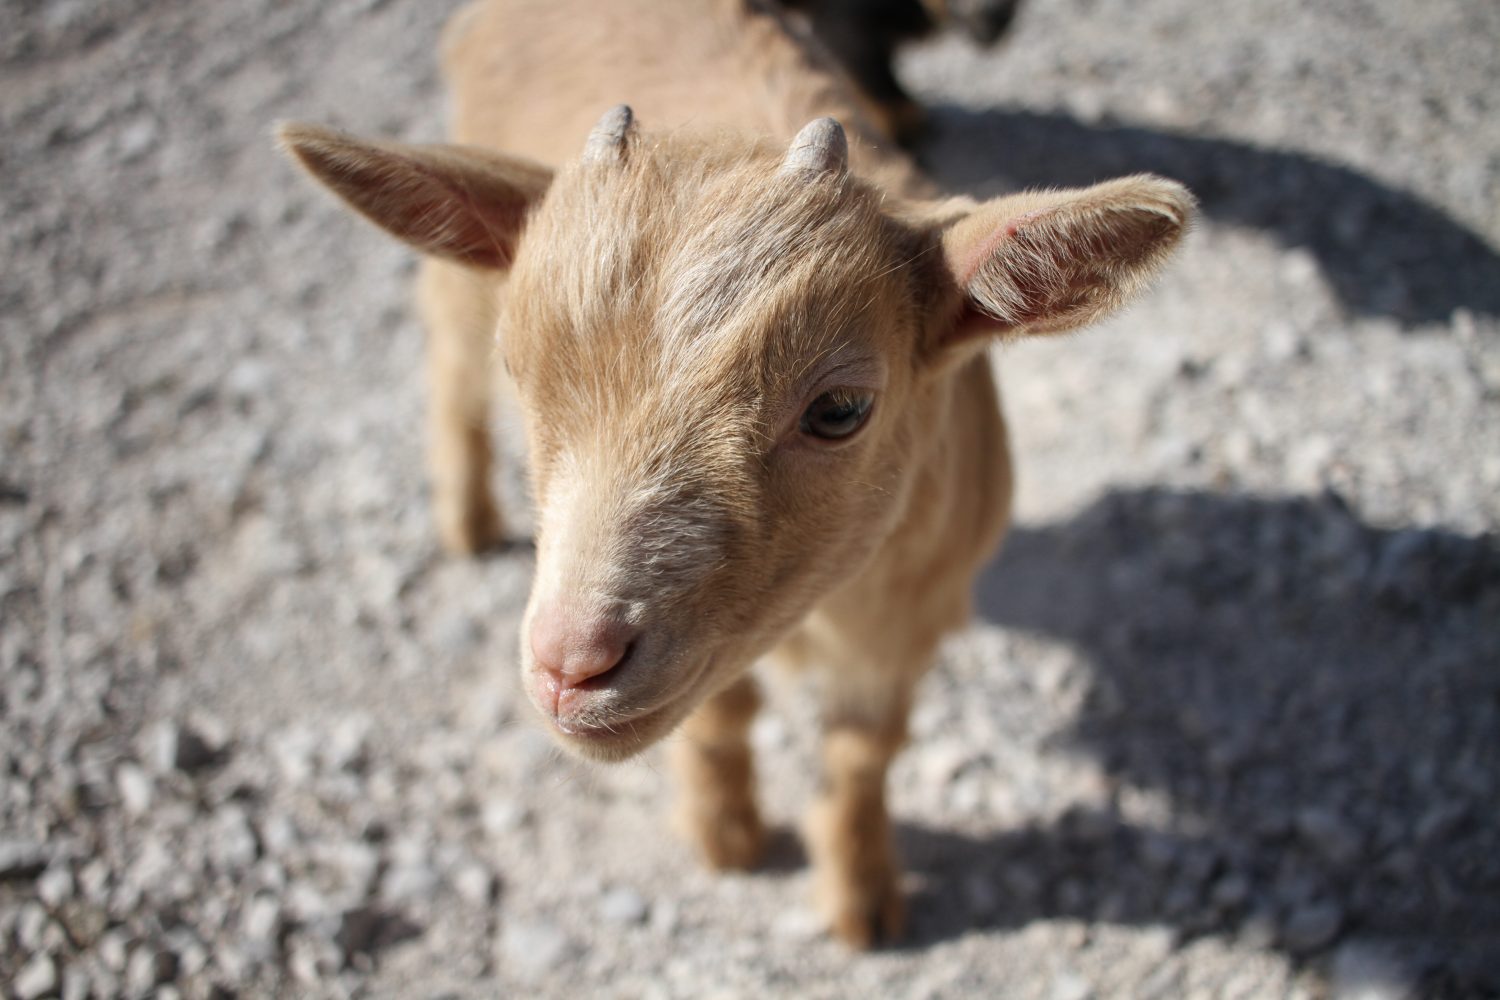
(573,648)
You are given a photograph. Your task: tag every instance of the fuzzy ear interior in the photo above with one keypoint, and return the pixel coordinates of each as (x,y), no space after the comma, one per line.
(456,202)
(1052,261)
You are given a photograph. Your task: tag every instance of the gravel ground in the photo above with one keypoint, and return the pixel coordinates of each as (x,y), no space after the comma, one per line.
(1227,725)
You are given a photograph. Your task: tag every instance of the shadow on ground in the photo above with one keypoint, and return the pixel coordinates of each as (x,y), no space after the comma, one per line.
(1318,699)
(1384,251)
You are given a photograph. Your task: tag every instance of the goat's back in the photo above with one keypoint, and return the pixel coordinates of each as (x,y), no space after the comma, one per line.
(531,77)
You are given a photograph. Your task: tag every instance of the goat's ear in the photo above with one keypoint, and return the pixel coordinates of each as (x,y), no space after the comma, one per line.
(1052,261)
(457,202)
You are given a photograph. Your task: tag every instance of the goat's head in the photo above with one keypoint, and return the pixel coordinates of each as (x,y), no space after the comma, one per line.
(725,353)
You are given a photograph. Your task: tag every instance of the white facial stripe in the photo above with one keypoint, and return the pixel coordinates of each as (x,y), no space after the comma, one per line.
(611,542)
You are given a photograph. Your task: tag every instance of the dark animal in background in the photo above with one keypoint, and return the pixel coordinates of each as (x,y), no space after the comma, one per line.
(865,34)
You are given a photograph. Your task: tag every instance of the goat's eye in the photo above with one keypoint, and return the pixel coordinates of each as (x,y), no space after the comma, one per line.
(836,414)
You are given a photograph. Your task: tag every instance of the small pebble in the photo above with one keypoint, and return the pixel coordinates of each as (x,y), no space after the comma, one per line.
(21,858)
(181,747)
(534,950)
(55,886)
(1069,985)
(623,906)
(503,816)
(1311,927)
(1361,972)
(76,985)
(148,968)
(797,924)
(408,883)
(1328,834)
(475,883)
(37,978)
(135,789)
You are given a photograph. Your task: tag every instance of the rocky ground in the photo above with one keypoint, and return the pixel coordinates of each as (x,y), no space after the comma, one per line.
(1227,725)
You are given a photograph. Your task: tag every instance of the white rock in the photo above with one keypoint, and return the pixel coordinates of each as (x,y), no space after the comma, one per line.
(93,880)
(260,922)
(1069,985)
(306,903)
(278,834)
(534,950)
(344,748)
(1312,926)
(503,816)
(55,885)
(135,787)
(31,928)
(1361,972)
(181,747)
(623,905)
(408,883)
(137,139)
(113,950)
(354,864)
(75,984)
(37,978)
(475,883)
(797,924)
(1282,342)
(768,732)
(250,379)
(1258,931)
(664,916)
(293,750)
(148,967)
(942,760)
(233,846)
(21,857)
(1306,462)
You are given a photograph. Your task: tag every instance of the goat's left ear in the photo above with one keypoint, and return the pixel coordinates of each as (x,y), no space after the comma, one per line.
(1046,262)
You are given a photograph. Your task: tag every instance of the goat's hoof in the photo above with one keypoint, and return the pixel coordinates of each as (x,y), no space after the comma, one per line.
(730,839)
(869,915)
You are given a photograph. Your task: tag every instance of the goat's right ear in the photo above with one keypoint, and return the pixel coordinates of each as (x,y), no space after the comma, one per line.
(457,202)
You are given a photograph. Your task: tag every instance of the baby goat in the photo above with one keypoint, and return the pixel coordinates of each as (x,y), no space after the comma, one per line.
(751,362)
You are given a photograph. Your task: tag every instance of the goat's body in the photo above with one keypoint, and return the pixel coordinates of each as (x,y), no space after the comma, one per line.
(760,424)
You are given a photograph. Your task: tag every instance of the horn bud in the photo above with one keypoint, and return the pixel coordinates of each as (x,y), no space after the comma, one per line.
(606,143)
(820,148)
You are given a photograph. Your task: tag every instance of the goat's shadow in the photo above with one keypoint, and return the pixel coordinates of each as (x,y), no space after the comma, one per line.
(1318,700)
(1384,251)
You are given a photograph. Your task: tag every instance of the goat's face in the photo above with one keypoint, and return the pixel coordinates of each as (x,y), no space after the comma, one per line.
(713,356)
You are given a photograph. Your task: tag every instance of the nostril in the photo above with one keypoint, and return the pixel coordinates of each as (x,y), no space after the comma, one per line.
(575,650)
(603,677)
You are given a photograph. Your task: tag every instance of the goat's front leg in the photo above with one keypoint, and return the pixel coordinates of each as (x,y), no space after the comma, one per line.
(716,778)
(849,831)
(457,308)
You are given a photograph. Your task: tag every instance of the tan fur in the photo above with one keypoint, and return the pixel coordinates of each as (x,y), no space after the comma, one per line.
(669,305)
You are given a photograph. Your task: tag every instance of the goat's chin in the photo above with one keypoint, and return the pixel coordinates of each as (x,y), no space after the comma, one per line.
(617,742)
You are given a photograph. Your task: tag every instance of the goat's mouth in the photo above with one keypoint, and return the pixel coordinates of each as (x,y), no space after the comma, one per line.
(609,734)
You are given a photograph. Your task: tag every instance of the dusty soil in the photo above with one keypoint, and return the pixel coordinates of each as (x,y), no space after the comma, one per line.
(1227,725)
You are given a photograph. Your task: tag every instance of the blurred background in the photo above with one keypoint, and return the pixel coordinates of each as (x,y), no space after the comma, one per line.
(1228,721)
